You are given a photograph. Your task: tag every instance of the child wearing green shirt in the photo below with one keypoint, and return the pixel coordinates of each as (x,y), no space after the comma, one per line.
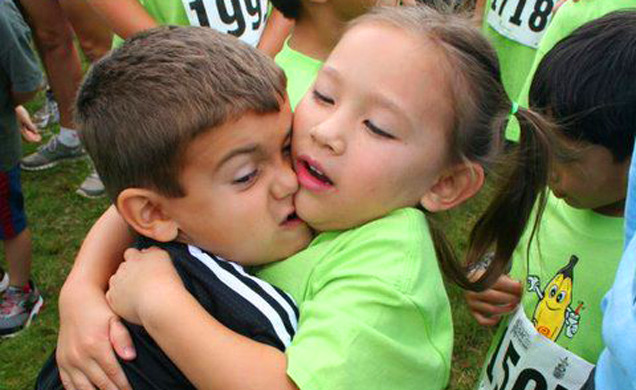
(586,84)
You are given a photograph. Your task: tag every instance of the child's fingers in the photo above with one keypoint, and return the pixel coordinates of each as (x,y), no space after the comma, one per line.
(121,342)
(489,309)
(493,297)
(485,320)
(508,285)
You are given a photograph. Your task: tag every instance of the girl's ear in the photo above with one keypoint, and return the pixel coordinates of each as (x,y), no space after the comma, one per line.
(457,184)
(143,210)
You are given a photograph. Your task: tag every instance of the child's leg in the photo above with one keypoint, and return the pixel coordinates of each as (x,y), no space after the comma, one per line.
(17,252)
(92,32)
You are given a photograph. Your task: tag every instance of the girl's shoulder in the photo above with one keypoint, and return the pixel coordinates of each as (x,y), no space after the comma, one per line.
(396,249)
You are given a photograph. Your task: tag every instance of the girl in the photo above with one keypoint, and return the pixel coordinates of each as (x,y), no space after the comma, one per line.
(407,112)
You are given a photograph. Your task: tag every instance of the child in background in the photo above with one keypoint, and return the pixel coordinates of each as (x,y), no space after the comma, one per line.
(248,20)
(586,84)
(156,169)
(571,15)
(20,79)
(370,146)
(318,26)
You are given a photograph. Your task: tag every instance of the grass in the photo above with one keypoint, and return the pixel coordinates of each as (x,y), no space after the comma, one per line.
(59,219)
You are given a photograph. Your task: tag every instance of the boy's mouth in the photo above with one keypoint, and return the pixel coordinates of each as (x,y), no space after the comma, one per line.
(311,176)
(291,220)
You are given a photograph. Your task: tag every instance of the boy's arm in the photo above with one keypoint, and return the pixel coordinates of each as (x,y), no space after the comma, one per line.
(124,17)
(208,353)
(276,31)
(84,352)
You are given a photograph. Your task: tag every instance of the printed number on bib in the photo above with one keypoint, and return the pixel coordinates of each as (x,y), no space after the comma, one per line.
(522,21)
(526,360)
(244,19)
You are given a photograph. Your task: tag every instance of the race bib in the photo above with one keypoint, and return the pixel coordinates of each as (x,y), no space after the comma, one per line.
(244,19)
(522,21)
(526,360)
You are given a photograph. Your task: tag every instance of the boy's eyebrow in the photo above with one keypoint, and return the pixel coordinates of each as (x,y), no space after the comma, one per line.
(248,149)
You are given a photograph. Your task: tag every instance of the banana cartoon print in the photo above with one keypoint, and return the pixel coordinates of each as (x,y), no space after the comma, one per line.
(553,312)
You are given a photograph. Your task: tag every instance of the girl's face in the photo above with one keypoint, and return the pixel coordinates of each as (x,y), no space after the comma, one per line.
(371,135)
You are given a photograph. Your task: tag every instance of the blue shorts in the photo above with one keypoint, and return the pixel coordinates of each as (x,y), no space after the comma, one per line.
(12,216)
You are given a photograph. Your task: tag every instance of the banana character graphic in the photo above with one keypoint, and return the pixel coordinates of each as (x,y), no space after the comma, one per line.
(553,311)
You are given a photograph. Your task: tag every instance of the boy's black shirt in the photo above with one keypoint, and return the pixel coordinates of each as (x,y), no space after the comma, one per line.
(242,303)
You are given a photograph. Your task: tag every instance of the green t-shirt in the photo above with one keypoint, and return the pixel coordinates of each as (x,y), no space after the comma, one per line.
(20,72)
(373,309)
(583,246)
(570,16)
(244,19)
(300,70)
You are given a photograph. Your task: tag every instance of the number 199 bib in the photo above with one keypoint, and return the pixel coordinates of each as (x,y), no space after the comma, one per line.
(526,360)
(522,21)
(244,19)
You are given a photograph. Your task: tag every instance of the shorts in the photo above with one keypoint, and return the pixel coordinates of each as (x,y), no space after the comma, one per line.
(12,216)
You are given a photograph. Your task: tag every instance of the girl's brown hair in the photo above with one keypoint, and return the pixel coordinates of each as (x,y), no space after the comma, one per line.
(482,110)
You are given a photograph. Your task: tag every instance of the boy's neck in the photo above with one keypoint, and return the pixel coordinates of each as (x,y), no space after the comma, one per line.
(316,34)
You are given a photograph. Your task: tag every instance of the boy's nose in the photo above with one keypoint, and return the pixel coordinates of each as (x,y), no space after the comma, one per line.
(285,182)
(328,137)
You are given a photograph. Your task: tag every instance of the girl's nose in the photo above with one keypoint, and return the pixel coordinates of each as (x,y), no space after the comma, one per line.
(328,137)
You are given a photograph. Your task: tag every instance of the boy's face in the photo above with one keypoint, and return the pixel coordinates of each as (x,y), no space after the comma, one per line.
(370,137)
(591,179)
(239,187)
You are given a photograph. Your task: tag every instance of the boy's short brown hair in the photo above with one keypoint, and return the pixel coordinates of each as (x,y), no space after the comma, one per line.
(139,107)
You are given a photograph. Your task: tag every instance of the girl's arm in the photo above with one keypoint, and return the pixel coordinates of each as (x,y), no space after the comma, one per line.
(84,352)
(124,17)
(276,31)
(209,354)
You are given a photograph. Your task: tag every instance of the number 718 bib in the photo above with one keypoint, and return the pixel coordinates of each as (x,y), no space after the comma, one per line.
(526,360)
(522,21)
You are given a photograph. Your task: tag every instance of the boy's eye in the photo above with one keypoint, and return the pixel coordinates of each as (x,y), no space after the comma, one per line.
(246,178)
(323,98)
(287,149)
(376,130)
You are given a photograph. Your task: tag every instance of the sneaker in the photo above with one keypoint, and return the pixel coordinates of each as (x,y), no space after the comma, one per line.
(48,114)
(92,187)
(50,155)
(4,281)
(18,307)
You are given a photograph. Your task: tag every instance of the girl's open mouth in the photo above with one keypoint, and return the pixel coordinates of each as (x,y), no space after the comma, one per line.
(311,176)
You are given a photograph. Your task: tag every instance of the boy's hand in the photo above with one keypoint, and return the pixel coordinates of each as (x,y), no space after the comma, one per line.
(29,131)
(84,354)
(488,306)
(144,279)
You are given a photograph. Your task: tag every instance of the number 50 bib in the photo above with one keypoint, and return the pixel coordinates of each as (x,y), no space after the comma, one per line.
(522,21)
(524,360)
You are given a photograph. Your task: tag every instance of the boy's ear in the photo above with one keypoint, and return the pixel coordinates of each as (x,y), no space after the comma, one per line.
(143,210)
(457,184)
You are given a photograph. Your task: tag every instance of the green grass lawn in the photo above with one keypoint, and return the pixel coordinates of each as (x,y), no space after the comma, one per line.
(59,220)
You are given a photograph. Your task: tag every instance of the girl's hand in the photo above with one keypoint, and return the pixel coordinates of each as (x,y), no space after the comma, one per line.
(88,327)
(502,298)
(143,280)
(28,129)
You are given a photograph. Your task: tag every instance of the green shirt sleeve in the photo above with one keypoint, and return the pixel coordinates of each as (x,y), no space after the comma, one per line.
(378,316)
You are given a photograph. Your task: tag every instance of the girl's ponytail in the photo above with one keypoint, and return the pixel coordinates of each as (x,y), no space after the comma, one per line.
(504,221)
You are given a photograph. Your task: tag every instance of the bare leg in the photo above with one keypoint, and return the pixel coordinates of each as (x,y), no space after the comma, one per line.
(54,39)
(94,36)
(17,251)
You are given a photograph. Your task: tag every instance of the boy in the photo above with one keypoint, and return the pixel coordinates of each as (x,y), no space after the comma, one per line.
(203,166)
(20,79)
(586,84)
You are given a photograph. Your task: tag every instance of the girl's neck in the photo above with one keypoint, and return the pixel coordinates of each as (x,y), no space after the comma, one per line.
(612,210)
(316,34)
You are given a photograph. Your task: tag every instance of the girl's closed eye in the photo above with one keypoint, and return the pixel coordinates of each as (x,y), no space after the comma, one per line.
(374,129)
(321,97)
